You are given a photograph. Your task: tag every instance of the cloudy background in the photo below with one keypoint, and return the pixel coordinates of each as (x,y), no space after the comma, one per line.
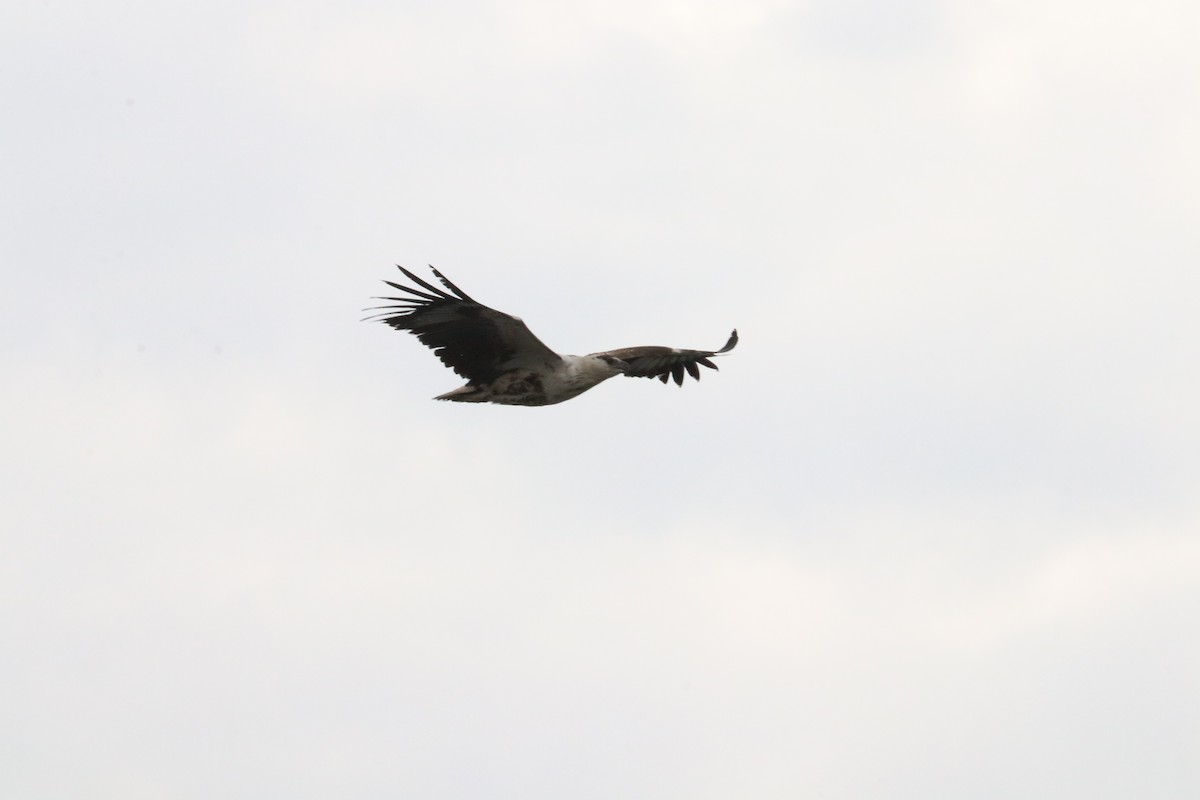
(932,530)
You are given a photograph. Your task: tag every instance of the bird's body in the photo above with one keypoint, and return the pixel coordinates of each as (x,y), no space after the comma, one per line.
(505,363)
(521,386)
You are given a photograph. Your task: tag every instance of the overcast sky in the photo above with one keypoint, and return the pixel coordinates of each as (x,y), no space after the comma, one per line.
(933,530)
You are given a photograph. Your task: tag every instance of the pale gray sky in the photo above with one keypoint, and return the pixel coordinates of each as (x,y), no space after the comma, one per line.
(932,531)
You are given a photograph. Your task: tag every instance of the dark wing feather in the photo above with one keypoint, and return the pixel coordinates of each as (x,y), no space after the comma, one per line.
(477,342)
(666,363)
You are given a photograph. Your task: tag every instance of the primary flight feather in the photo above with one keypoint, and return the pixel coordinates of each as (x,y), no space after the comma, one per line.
(505,363)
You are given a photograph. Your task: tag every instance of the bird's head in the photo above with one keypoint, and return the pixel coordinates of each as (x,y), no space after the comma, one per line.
(616,364)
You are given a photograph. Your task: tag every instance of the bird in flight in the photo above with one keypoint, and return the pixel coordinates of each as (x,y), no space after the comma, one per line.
(505,363)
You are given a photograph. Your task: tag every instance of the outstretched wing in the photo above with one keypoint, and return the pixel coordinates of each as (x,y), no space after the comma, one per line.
(668,362)
(477,342)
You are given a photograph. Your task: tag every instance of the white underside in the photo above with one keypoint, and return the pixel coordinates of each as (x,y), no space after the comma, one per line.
(571,377)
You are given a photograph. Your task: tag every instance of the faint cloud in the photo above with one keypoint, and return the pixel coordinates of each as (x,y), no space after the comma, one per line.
(868,30)
(1084,585)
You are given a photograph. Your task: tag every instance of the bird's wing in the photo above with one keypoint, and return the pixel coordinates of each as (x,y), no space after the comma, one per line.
(668,362)
(477,342)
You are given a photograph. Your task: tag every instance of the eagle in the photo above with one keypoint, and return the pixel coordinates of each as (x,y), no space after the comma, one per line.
(505,363)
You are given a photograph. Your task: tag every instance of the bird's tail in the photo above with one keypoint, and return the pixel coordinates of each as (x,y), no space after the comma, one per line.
(465,394)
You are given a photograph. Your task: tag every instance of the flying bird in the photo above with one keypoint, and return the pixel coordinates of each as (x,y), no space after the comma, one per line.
(505,363)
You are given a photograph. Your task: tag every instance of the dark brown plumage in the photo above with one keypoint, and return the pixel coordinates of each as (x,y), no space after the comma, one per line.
(668,362)
(505,363)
